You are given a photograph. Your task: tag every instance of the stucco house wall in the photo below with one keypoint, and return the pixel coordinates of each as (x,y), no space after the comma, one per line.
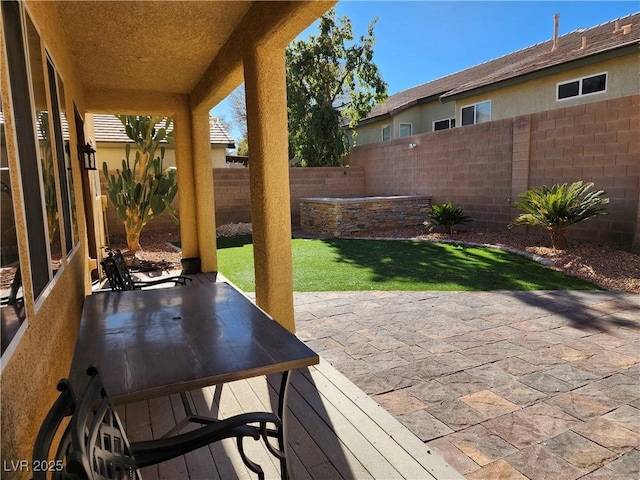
(41,353)
(434,112)
(532,96)
(114,153)
(539,95)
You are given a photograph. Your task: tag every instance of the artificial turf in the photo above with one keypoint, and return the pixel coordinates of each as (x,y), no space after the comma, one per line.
(353,264)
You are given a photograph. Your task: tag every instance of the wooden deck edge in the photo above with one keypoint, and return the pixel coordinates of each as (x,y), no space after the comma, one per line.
(417,449)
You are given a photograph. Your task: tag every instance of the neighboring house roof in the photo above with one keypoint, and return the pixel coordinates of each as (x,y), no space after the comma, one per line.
(108,128)
(570,47)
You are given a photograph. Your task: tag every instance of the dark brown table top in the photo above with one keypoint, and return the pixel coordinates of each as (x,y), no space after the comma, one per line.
(150,343)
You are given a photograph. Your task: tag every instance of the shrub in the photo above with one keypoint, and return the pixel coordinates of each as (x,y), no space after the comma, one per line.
(558,207)
(446,216)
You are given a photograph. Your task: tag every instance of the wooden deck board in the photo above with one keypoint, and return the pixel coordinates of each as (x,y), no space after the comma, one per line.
(335,431)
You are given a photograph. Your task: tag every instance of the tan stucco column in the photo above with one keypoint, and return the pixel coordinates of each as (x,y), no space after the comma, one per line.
(266,94)
(203,181)
(186,185)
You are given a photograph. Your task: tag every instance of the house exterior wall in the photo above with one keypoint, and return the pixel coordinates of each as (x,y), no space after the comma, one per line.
(411,116)
(433,112)
(42,355)
(369,133)
(482,168)
(531,96)
(114,153)
(539,95)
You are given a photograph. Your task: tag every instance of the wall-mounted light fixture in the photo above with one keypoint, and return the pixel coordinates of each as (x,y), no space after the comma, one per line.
(413,145)
(88,155)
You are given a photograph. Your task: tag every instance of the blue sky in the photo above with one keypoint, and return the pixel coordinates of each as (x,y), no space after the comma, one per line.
(419,41)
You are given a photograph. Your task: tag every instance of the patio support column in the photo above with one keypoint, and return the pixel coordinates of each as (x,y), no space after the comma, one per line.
(266,95)
(186,185)
(203,182)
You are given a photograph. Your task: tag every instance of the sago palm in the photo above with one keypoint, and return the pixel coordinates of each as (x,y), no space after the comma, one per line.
(558,207)
(447,216)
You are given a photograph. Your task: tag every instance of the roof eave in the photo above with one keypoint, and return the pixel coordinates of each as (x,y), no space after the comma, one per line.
(393,111)
(377,118)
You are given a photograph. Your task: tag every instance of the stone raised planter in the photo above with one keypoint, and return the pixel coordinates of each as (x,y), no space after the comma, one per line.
(336,217)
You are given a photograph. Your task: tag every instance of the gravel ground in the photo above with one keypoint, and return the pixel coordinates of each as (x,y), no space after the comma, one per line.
(606,266)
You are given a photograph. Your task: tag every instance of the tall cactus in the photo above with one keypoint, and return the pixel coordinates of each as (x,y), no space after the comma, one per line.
(142,191)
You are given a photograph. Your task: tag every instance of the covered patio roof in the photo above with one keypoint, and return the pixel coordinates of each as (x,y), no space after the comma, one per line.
(130,52)
(180,59)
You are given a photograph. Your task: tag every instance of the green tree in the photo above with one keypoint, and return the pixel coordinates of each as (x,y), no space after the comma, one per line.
(143,190)
(331,81)
(558,207)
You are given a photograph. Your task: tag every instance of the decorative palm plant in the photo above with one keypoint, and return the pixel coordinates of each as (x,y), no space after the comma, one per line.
(447,216)
(143,190)
(558,207)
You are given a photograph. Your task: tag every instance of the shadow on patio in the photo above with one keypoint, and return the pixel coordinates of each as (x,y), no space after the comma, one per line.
(335,431)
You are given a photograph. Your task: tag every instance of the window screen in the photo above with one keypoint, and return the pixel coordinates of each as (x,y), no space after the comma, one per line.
(28,155)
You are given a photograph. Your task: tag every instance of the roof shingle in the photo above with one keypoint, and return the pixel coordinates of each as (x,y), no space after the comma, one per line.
(108,128)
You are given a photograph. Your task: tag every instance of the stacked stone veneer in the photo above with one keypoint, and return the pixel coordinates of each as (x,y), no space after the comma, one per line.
(336,217)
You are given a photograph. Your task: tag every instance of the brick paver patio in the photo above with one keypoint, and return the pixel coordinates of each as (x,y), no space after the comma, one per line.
(508,385)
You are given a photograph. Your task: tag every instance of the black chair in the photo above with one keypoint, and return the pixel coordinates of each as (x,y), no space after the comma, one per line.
(93,444)
(120,278)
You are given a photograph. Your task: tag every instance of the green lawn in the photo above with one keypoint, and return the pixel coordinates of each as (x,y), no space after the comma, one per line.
(351,264)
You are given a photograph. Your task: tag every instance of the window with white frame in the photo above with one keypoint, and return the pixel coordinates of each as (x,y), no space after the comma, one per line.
(405,130)
(582,86)
(477,113)
(444,124)
(386,133)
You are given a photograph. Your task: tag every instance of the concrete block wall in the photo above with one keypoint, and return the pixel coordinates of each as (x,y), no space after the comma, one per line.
(233,199)
(470,166)
(599,143)
(232,195)
(482,168)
